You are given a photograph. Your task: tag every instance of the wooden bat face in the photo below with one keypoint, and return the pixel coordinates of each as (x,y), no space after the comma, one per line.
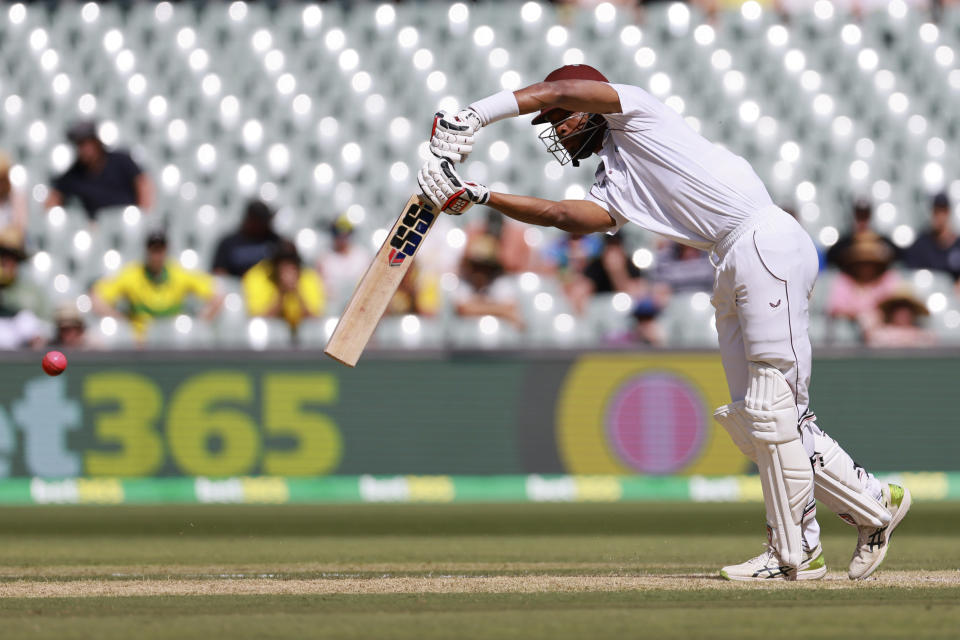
(380,282)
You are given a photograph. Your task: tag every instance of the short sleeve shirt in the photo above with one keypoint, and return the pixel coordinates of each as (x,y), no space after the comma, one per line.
(113,185)
(262,293)
(149,296)
(237,253)
(660,174)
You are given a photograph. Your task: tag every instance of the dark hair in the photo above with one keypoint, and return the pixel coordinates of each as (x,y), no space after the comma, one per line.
(156,239)
(285,251)
(862,209)
(83,130)
(258,209)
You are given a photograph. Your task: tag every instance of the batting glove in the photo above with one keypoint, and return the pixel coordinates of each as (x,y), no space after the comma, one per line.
(452,137)
(446,189)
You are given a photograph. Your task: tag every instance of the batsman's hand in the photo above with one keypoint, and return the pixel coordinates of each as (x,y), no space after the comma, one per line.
(452,137)
(446,189)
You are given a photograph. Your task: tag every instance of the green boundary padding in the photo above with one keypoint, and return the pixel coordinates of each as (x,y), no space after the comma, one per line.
(407,489)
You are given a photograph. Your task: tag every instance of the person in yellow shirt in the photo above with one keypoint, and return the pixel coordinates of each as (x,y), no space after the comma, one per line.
(157,287)
(280,287)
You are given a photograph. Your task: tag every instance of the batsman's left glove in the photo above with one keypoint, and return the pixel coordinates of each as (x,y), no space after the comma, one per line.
(452,137)
(446,189)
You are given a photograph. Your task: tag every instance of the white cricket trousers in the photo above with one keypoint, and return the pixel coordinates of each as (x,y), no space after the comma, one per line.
(766,270)
(765,274)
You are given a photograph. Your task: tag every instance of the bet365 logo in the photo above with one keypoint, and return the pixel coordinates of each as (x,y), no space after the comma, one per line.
(406,239)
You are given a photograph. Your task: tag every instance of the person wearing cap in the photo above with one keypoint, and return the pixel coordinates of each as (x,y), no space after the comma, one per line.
(343,265)
(937,248)
(866,279)
(657,172)
(647,331)
(69,329)
(100,177)
(482,291)
(281,287)
(237,252)
(24,307)
(155,288)
(862,214)
(899,325)
(13,204)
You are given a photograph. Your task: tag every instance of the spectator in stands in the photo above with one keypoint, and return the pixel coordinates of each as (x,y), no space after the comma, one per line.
(70,331)
(343,266)
(899,324)
(684,268)
(419,293)
(13,205)
(862,212)
(23,305)
(515,255)
(937,248)
(865,281)
(154,288)
(647,330)
(482,290)
(280,287)
(613,271)
(237,252)
(570,257)
(100,177)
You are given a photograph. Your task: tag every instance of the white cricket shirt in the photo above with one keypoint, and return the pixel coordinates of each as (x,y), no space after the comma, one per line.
(659,173)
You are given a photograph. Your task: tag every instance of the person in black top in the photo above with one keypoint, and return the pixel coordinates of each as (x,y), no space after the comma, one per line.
(100,177)
(937,248)
(249,244)
(862,212)
(612,271)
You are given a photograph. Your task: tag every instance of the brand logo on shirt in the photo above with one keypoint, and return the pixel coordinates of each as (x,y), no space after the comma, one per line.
(406,239)
(774,306)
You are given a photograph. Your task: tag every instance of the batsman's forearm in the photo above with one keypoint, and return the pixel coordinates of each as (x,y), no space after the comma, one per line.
(544,213)
(562,215)
(571,95)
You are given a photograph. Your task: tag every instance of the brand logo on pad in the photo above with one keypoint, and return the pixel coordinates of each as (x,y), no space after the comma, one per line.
(774,306)
(406,239)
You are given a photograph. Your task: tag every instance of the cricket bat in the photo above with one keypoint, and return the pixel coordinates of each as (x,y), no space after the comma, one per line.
(380,282)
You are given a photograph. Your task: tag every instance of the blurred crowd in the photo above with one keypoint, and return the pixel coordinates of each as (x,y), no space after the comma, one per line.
(864,291)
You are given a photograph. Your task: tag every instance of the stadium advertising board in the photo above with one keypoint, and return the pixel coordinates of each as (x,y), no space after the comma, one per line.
(117,416)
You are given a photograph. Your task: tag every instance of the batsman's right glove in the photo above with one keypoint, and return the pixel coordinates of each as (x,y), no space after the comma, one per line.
(452,137)
(446,189)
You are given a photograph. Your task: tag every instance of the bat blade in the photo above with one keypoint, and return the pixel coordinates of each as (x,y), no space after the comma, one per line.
(380,282)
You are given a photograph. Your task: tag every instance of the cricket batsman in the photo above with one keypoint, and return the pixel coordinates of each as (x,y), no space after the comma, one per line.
(657,172)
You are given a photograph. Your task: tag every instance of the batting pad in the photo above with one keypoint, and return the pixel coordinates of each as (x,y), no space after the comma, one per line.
(840,487)
(734,419)
(785,473)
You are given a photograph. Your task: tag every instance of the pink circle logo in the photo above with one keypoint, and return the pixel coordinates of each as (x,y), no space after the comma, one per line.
(656,423)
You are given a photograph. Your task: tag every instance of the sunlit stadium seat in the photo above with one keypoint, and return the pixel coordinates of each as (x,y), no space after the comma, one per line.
(487,332)
(181,332)
(688,321)
(409,332)
(111,333)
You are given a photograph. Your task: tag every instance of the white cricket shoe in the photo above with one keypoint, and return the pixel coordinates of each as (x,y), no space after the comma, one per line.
(872,542)
(767,566)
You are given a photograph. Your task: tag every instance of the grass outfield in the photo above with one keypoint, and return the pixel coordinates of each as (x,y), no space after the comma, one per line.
(453,571)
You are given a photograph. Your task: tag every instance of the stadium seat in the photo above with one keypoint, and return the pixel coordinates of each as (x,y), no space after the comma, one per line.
(181,332)
(688,321)
(111,333)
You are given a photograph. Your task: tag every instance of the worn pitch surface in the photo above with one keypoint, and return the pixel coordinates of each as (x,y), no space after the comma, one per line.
(503,571)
